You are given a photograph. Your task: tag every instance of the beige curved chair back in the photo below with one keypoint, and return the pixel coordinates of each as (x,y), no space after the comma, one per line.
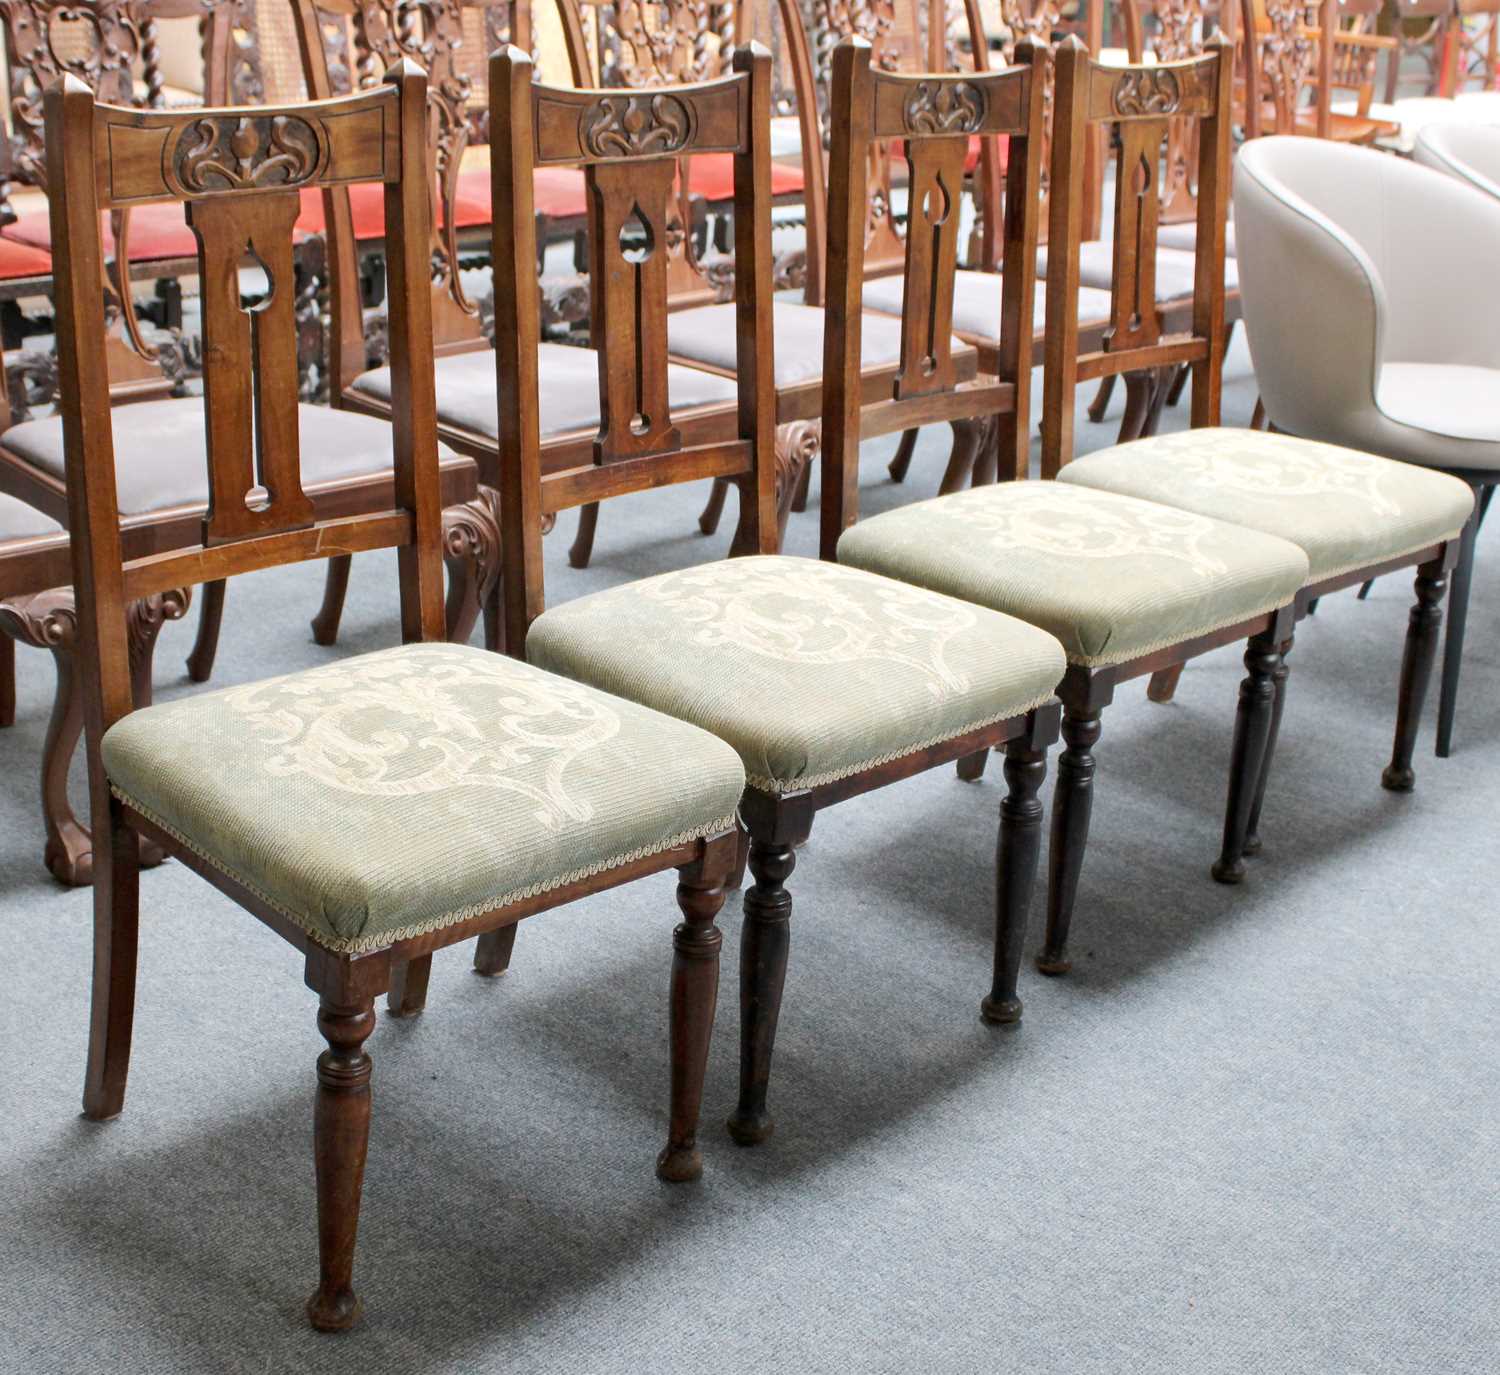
(1470,152)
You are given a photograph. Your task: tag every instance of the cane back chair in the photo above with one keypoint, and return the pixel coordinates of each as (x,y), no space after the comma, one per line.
(829,682)
(441,812)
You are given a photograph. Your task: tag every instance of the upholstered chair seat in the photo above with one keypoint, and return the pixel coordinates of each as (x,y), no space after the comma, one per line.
(1175,269)
(19,521)
(706,335)
(1410,115)
(811,671)
(976,302)
(1344,509)
(1110,576)
(1184,236)
(161,454)
(455,779)
(568,383)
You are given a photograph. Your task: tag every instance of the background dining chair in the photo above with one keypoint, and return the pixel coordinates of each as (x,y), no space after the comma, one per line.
(462,791)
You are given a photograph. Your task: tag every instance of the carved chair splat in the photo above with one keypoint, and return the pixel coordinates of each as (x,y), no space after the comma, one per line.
(992,545)
(240,178)
(778,696)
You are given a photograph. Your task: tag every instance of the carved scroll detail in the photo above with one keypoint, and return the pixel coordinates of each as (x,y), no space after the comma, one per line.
(228,154)
(1148,92)
(628,126)
(944,107)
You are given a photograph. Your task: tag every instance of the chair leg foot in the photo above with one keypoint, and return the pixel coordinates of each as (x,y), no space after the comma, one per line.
(408,993)
(200,663)
(492,951)
(1416,672)
(1252,730)
(1252,846)
(901,462)
(1072,806)
(713,509)
(325,625)
(582,548)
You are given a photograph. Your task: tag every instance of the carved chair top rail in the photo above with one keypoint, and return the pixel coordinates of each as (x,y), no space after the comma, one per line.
(238,175)
(629,146)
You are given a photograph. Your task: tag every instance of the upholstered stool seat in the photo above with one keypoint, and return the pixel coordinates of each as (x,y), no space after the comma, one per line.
(19,521)
(811,671)
(706,335)
(568,386)
(1111,577)
(161,456)
(976,302)
(456,781)
(1343,508)
(1176,269)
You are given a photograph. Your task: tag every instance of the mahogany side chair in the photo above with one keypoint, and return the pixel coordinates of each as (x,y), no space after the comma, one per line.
(1353,514)
(1125,585)
(828,681)
(379,808)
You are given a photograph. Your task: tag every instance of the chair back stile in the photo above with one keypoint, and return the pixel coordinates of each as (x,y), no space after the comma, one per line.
(629,146)
(934,116)
(238,176)
(1140,105)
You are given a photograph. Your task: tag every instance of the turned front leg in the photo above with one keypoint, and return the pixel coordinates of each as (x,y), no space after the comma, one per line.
(1416,671)
(1279,677)
(764,941)
(1252,732)
(341,1136)
(695,995)
(1016,859)
(1072,806)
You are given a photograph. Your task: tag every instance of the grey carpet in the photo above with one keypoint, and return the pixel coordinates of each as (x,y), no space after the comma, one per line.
(1256,1129)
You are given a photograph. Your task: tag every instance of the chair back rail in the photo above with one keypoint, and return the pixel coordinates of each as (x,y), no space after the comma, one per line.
(628,144)
(238,174)
(1137,105)
(934,116)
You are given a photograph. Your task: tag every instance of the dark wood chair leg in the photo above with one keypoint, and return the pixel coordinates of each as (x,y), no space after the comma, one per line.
(1252,731)
(695,995)
(471,553)
(1416,671)
(764,940)
(341,1137)
(1364,589)
(1179,384)
(582,548)
(408,992)
(116,931)
(1312,606)
(1162,685)
(493,949)
(968,436)
(1139,390)
(494,621)
(1072,805)
(325,625)
(804,486)
(1100,404)
(713,510)
(901,462)
(1453,636)
(200,663)
(1258,415)
(7,680)
(1016,856)
(1278,705)
(971,766)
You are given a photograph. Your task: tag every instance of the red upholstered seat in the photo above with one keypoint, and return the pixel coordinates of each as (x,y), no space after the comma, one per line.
(711,175)
(156,231)
(367,209)
(19,260)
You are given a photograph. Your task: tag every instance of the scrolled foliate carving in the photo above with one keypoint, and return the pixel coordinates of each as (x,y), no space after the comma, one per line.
(1147,92)
(944,107)
(664,42)
(226,153)
(629,126)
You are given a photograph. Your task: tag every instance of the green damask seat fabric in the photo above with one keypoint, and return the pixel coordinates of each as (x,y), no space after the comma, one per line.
(399,792)
(811,671)
(1112,577)
(1344,508)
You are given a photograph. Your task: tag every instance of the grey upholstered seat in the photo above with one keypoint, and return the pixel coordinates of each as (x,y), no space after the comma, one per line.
(1344,509)
(1111,577)
(1175,269)
(455,781)
(567,387)
(811,671)
(1184,236)
(706,335)
(976,302)
(161,456)
(19,521)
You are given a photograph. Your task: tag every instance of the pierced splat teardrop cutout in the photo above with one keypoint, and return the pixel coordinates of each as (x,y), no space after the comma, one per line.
(254,260)
(637,240)
(937,204)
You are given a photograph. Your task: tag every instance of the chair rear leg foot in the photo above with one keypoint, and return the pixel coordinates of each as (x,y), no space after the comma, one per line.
(493,950)
(1072,806)
(200,663)
(1252,731)
(408,994)
(325,625)
(1416,672)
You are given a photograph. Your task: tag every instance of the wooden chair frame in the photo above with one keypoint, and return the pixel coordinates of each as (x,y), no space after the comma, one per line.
(536,124)
(104,155)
